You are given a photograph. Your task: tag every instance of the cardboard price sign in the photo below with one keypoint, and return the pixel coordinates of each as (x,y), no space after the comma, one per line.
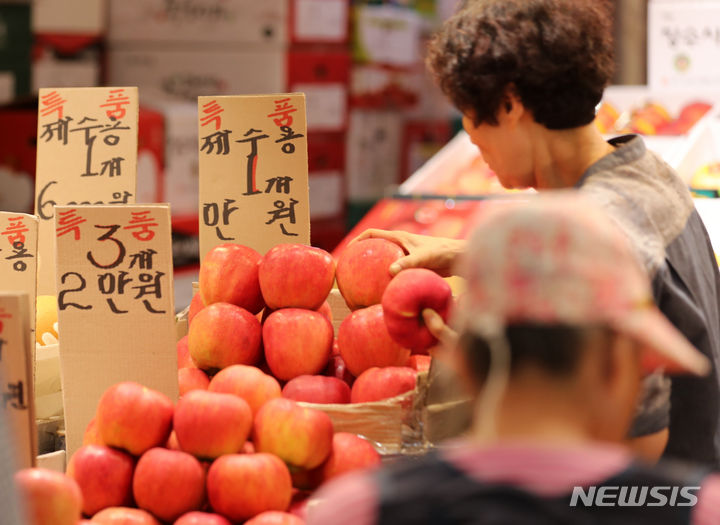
(253,171)
(16,377)
(18,257)
(86,154)
(115,305)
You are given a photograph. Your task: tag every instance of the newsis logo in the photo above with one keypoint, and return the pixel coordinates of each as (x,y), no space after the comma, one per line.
(616,496)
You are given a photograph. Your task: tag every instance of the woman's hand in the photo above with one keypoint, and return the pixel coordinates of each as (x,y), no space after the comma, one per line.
(423,251)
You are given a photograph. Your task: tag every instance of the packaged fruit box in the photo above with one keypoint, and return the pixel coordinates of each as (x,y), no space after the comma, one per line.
(698,162)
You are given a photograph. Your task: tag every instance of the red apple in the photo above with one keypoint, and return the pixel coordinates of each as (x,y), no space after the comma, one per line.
(326,311)
(376,384)
(419,363)
(336,368)
(133,417)
(201,518)
(247,382)
(300,436)
(172,442)
(229,274)
(362,271)
(92,434)
(192,379)
(317,389)
(296,276)
(49,497)
(241,486)
(169,483)
(364,342)
(223,334)
(299,503)
(349,452)
(405,298)
(274,517)
(297,342)
(124,516)
(183,354)
(210,424)
(104,476)
(196,304)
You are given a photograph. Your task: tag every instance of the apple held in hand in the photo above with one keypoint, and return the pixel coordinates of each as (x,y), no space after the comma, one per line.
(376,384)
(133,417)
(229,274)
(192,379)
(241,486)
(201,518)
(297,342)
(364,342)
(223,334)
(296,276)
(363,271)
(124,516)
(405,298)
(210,424)
(274,517)
(169,483)
(247,382)
(317,389)
(104,476)
(302,437)
(49,497)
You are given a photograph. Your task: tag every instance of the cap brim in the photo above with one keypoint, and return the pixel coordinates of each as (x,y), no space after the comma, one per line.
(664,346)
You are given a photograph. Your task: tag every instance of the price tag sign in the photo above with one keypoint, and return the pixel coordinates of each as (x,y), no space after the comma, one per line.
(253,171)
(16,377)
(18,257)
(115,305)
(86,154)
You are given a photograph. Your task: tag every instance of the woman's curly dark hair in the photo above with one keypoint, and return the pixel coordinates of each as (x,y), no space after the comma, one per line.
(556,55)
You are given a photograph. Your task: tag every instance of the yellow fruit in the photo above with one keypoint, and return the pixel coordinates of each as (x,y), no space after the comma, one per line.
(46,308)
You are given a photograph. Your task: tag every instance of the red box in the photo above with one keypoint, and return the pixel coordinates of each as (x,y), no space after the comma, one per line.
(326,166)
(319,21)
(151,156)
(324,77)
(18,150)
(421,140)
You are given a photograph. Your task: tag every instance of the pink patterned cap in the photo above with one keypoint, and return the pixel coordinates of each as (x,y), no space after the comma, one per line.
(559,259)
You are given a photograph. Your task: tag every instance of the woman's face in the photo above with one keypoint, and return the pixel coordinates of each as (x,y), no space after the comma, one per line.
(506,149)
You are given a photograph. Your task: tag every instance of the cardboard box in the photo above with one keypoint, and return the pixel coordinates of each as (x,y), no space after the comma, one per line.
(181,75)
(151,156)
(198,21)
(73,17)
(51,70)
(324,77)
(18,132)
(683,44)
(387,34)
(326,165)
(319,21)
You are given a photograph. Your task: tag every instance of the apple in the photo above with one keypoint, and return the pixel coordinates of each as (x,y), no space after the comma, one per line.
(183,354)
(124,516)
(172,442)
(349,452)
(317,389)
(196,304)
(296,276)
(229,274)
(133,417)
(300,436)
(92,434)
(104,476)
(223,334)
(326,311)
(274,517)
(49,497)
(201,518)
(210,424)
(364,342)
(363,271)
(169,483)
(419,363)
(241,486)
(299,503)
(405,298)
(376,384)
(247,382)
(336,368)
(192,379)
(297,342)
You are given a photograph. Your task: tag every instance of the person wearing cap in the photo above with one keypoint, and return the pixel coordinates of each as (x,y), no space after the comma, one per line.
(557,328)
(527,76)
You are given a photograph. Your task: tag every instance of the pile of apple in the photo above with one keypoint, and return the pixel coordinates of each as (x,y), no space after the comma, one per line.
(261,328)
(209,460)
